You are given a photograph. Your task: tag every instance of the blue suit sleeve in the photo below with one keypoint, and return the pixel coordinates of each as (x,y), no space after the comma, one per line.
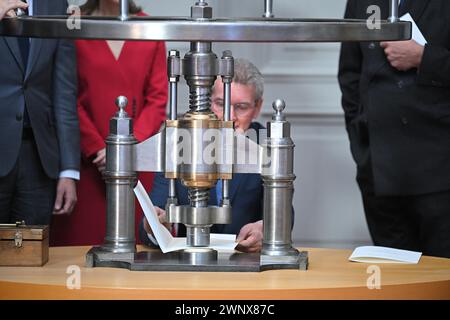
(160,191)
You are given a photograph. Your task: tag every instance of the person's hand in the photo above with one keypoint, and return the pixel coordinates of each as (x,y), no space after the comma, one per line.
(66,196)
(403,55)
(250,237)
(162,219)
(100,160)
(7,7)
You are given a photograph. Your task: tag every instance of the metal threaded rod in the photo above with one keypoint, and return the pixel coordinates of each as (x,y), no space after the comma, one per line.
(200,99)
(198,197)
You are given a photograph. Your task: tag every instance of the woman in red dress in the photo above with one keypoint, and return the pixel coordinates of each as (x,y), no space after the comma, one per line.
(106,70)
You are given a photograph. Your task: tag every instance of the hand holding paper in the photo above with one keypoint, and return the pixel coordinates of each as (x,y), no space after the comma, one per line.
(406,55)
(166,241)
(162,219)
(417,35)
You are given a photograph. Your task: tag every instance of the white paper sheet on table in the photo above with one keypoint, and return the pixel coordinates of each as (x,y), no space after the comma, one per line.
(167,243)
(417,35)
(373,254)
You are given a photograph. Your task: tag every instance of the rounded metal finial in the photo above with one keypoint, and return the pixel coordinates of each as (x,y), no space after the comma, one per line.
(20,12)
(121,102)
(279,105)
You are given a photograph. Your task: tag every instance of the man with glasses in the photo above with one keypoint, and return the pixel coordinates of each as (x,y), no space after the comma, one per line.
(246,190)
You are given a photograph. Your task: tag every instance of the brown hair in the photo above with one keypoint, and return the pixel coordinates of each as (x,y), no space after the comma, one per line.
(91,5)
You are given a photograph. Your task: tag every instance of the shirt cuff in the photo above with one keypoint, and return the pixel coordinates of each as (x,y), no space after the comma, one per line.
(72,174)
(152,239)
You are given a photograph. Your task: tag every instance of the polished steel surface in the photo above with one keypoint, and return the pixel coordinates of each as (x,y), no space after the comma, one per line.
(198,236)
(216,30)
(199,215)
(278,181)
(393,10)
(120,179)
(268,9)
(124,9)
(174,71)
(200,69)
(150,154)
(174,261)
(198,256)
(227,78)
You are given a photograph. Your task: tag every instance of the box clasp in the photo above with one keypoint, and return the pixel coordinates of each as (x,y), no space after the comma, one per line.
(18,239)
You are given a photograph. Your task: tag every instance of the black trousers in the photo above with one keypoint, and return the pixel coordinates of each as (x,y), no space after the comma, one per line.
(27,193)
(418,223)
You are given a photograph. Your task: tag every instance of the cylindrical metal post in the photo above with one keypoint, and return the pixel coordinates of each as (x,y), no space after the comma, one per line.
(173,92)
(174,77)
(120,180)
(197,236)
(124,10)
(393,10)
(268,9)
(226,117)
(227,79)
(278,181)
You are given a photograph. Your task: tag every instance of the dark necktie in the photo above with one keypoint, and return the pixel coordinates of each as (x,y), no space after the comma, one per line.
(24,46)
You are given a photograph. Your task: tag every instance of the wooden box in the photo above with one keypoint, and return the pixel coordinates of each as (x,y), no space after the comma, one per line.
(22,245)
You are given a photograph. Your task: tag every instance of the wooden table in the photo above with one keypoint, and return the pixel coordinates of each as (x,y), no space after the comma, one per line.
(330,276)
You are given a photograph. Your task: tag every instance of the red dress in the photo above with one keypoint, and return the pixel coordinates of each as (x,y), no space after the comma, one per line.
(140,74)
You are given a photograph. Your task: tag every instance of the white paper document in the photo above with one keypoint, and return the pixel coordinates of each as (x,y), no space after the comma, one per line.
(167,243)
(417,35)
(375,255)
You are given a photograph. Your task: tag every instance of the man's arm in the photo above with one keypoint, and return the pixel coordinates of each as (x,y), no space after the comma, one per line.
(350,63)
(434,69)
(65,101)
(67,126)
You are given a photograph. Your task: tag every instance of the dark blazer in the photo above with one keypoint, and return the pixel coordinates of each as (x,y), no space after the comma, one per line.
(246,193)
(49,87)
(399,122)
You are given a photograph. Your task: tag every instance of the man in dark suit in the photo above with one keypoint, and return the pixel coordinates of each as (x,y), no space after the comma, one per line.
(246,190)
(396,98)
(39,134)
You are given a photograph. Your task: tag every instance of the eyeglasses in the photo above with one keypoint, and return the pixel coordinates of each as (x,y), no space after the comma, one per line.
(240,109)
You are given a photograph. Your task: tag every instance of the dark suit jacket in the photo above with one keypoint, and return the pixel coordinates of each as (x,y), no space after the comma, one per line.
(246,192)
(399,122)
(48,85)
